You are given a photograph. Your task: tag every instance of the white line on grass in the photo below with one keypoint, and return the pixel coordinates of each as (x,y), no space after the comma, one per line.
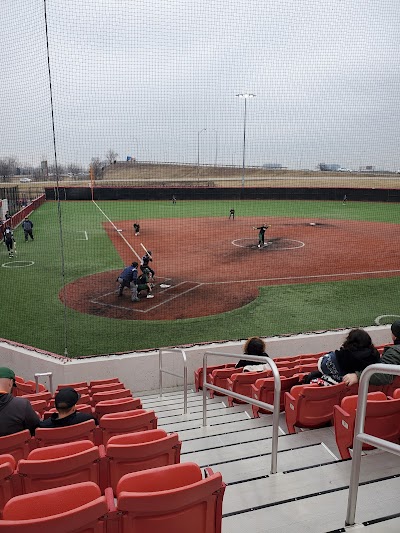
(116,229)
(86,235)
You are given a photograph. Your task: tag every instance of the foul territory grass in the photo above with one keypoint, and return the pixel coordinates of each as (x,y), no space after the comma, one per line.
(70,242)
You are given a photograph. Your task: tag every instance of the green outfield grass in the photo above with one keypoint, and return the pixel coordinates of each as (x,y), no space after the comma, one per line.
(33,314)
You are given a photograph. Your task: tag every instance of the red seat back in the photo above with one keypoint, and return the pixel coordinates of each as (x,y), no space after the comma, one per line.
(133,452)
(311,406)
(111,395)
(59,465)
(116,406)
(17,444)
(7,467)
(171,498)
(106,387)
(77,508)
(242,383)
(126,422)
(263,390)
(52,436)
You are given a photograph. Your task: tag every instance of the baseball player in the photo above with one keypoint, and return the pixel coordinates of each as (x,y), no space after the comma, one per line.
(232,214)
(146,259)
(261,233)
(8,238)
(136,227)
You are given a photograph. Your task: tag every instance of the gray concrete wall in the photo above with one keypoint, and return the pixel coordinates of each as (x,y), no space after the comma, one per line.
(139,371)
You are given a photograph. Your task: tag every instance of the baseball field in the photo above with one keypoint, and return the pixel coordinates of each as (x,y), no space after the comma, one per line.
(325,265)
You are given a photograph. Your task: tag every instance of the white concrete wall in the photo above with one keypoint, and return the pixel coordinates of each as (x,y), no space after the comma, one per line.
(139,370)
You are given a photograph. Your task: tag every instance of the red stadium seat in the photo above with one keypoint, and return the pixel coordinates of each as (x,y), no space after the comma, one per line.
(103,381)
(18,444)
(382,420)
(46,396)
(105,387)
(110,395)
(310,406)
(7,467)
(126,422)
(116,406)
(28,387)
(263,390)
(396,394)
(39,406)
(171,499)
(77,385)
(219,378)
(198,375)
(52,436)
(62,464)
(133,452)
(242,383)
(389,389)
(76,508)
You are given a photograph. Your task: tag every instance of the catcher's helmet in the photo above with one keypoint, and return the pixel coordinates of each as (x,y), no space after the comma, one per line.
(135,264)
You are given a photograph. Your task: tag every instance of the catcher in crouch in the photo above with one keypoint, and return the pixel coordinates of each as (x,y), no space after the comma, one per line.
(261,233)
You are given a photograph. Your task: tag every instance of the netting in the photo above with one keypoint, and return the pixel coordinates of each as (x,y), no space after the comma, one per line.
(173,97)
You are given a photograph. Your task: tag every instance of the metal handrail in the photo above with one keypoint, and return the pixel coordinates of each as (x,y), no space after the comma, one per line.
(46,374)
(163,371)
(360,437)
(274,408)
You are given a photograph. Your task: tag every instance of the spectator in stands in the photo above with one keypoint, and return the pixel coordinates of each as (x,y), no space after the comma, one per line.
(390,356)
(27,226)
(356,353)
(67,415)
(16,414)
(253,346)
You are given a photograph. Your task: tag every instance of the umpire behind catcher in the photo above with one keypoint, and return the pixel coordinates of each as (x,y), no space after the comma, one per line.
(128,278)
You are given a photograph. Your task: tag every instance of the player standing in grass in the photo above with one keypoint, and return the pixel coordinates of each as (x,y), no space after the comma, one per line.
(9,240)
(136,228)
(173,200)
(261,233)
(27,226)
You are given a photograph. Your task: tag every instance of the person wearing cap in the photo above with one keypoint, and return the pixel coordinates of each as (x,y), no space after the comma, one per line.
(27,226)
(16,414)
(66,415)
(146,259)
(390,356)
(128,278)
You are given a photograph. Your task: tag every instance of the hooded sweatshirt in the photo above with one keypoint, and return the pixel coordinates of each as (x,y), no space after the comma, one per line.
(16,414)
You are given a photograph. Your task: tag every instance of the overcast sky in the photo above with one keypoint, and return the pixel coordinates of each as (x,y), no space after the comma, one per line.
(146,77)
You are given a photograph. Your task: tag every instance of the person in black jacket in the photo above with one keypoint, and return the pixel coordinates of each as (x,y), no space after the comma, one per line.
(356,353)
(27,226)
(253,346)
(9,240)
(67,415)
(16,414)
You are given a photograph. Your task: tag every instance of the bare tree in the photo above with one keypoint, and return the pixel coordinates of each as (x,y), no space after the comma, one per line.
(111,156)
(8,167)
(97,167)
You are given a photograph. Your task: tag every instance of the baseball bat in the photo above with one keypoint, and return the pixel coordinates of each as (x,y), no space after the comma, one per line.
(144,248)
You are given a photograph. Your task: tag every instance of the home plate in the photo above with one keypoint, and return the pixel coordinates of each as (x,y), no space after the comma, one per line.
(164,286)
(312,224)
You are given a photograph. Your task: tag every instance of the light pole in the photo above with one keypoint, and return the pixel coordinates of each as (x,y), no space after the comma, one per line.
(198,149)
(216,146)
(245,96)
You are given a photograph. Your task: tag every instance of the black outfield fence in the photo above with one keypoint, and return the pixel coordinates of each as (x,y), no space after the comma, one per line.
(222,193)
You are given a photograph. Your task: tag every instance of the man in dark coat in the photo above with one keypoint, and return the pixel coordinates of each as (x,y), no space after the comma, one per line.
(67,415)
(27,226)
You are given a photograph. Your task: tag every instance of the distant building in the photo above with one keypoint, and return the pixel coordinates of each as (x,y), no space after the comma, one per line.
(331,167)
(271,166)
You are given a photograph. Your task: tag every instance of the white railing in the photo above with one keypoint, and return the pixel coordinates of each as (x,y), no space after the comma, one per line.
(274,408)
(360,437)
(44,374)
(163,371)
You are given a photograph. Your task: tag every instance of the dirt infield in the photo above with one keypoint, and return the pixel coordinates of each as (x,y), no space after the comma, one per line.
(213,265)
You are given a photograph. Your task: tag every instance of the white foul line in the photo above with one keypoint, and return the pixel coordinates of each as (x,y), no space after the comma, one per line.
(86,235)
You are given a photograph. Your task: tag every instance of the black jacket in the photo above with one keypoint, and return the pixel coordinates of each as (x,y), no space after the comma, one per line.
(70,420)
(243,362)
(352,360)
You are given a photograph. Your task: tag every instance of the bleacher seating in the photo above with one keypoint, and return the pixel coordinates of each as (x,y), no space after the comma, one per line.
(310,406)
(219,377)
(382,420)
(116,406)
(133,452)
(263,390)
(242,384)
(7,467)
(125,422)
(52,436)
(18,444)
(73,508)
(171,499)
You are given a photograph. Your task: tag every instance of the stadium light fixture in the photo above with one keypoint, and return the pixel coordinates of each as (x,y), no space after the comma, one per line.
(198,149)
(245,96)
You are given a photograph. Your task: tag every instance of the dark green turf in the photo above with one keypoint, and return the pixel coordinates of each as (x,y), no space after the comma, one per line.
(33,314)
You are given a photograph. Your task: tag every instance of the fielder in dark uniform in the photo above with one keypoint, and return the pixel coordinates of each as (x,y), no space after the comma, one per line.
(9,241)
(261,233)
(232,214)
(146,263)
(136,227)
(128,278)
(27,226)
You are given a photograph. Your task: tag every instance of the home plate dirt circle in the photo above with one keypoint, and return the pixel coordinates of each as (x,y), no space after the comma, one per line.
(271,244)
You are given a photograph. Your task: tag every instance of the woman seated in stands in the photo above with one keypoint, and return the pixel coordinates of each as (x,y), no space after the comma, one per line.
(356,353)
(253,346)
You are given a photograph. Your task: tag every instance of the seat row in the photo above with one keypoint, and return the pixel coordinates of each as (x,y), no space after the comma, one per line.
(20,444)
(172,498)
(24,387)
